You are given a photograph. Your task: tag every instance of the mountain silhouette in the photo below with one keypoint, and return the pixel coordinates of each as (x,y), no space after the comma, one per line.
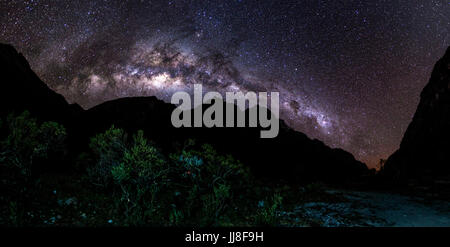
(21,89)
(291,155)
(425,147)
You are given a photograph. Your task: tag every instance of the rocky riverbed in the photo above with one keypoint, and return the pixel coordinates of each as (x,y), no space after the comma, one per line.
(371,209)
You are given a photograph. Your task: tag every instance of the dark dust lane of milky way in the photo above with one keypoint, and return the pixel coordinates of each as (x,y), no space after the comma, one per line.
(348,72)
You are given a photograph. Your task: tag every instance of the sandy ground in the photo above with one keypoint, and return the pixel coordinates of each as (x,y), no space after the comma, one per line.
(373,209)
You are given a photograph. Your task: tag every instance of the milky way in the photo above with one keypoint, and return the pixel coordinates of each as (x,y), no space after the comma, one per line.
(349,72)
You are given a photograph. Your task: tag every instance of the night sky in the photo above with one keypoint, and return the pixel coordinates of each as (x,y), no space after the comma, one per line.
(349,72)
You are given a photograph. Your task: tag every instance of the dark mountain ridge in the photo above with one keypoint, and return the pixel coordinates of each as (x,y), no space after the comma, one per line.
(424,150)
(291,155)
(22,89)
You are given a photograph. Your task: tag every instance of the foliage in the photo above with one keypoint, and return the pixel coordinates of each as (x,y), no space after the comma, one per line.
(267,212)
(135,170)
(108,149)
(195,185)
(209,183)
(28,142)
(141,176)
(28,146)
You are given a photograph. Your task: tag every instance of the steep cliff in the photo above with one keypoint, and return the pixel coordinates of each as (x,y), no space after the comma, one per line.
(425,148)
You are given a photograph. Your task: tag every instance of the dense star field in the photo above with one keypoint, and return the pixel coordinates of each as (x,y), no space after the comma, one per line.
(349,72)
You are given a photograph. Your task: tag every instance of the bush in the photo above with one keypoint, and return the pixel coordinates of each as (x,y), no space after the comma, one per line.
(195,186)
(27,146)
(135,171)
(108,149)
(27,142)
(208,184)
(141,176)
(267,214)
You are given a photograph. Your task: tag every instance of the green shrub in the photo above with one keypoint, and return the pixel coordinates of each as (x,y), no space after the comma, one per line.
(267,212)
(108,149)
(216,203)
(28,141)
(196,185)
(141,176)
(15,216)
(27,146)
(136,172)
(208,183)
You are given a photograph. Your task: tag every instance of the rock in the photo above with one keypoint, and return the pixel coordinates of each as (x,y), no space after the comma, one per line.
(424,150)
(71,201)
